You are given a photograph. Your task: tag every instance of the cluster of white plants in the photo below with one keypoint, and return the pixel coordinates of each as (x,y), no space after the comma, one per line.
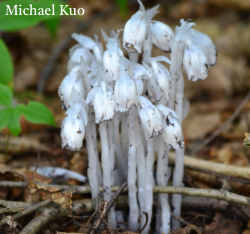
(139,108)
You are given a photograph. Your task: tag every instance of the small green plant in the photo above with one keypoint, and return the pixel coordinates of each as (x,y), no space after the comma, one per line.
(34,112)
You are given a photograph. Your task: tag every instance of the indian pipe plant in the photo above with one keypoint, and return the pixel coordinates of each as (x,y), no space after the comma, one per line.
(137,107)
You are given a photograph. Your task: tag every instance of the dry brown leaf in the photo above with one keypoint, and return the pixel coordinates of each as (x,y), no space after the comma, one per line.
(223,225)
(33,188)
(63,199)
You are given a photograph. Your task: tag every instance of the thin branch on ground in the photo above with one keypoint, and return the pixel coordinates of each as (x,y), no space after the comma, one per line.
(32,208)
(235,171)
(220,129)
(219,175)
(55,212)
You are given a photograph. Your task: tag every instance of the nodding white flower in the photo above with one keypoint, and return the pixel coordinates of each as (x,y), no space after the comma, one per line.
(161,34)
(172,134)
(103,102)
(140,72)
(205,43)
(111,59)
(160,81)
(71,89)
(75,54)
(150,118)
(195,62)
(135,32)
(125,90)
(90,44)
(72,129)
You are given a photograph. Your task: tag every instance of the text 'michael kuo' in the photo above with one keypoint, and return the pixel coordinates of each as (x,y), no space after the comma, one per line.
(18,10)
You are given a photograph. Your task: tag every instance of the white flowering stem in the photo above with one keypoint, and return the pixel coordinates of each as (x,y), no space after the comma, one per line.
(122,164)
(93,131)
(105,161)
(133,57)
(141,172)
(133,206)
(124,135)
(107,182)
(149,182)
(162,175)
(179,160)
(93,159)
(111,149)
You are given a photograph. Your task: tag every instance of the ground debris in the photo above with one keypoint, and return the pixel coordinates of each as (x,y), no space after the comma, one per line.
(223,225)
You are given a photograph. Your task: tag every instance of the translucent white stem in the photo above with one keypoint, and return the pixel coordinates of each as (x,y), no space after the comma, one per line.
(177,182)
(133,57)
(141,171)
(133,206)
(112,167)
(124,135)
(111,150)
(163,173)
(94,137)
(149,182)
(122,163)
(93,158)
(179,161)
(105,161)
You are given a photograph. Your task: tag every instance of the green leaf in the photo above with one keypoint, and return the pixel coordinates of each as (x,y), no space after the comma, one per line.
(36,112)
(52,26)
(6,66)
(9,117)
(5,95)
(11,19)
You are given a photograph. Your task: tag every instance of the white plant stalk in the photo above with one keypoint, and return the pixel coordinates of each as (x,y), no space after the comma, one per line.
(141,172)
(163,173)
(106,167)
(93,160)
(133,206)
(149,182)
(122,163)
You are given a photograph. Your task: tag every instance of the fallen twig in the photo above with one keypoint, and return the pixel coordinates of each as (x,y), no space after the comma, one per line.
(236,171)
(212,193)
(32,208)
(52,213)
